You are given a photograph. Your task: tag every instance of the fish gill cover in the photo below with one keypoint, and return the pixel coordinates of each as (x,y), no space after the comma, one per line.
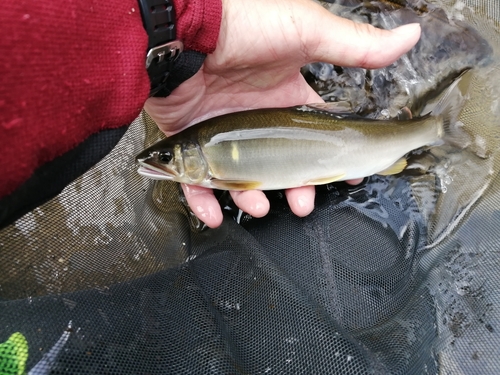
(396,276)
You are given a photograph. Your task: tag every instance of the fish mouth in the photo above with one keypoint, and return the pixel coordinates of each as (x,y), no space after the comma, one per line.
(153,172)
(150,173)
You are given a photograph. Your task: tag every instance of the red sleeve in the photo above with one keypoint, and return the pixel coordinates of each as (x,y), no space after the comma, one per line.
(70,69)
(198,23)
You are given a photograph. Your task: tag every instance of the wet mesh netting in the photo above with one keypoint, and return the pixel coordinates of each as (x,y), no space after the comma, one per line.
(399,275)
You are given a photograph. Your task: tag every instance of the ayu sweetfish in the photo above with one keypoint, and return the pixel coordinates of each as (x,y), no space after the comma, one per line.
(282,148)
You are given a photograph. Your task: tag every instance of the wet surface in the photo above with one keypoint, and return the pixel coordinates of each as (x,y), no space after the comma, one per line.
(396,275)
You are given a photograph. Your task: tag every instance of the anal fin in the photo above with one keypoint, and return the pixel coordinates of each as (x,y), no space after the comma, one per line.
(396,168)
(235,184)
(325,180)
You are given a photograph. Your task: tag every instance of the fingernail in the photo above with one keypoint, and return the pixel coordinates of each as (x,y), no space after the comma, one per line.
(201,211)
(212,212)
(208,213)
(257,206)
(408,29)
(301,201)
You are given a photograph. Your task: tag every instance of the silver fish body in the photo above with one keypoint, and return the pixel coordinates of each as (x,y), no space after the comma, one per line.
(282,148)
(288,148)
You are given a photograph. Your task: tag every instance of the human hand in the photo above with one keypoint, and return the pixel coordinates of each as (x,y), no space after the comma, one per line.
(261,47)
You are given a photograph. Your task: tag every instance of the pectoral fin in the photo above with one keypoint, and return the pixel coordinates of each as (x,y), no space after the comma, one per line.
(325,180)
(235,184)
(397,167)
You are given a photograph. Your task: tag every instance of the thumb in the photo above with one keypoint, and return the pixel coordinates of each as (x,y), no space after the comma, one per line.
(348,43)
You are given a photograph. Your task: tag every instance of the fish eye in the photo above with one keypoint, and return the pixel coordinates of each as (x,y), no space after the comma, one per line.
(165,156)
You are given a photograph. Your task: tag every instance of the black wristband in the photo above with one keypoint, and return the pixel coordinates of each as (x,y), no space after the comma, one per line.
(158,17)
(186,66)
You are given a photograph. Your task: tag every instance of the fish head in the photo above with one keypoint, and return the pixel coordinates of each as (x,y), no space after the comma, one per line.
(159,162)
(169,160)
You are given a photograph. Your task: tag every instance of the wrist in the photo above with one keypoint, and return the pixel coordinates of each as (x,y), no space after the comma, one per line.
(174,25)
(158,17)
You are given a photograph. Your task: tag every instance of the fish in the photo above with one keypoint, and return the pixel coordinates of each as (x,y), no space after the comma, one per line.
(280,148)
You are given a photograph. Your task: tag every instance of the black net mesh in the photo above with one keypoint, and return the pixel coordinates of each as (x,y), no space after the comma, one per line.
(396,276)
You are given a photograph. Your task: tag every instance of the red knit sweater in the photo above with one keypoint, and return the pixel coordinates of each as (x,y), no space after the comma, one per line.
(71,69)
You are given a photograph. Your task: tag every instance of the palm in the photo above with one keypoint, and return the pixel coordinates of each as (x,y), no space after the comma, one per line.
(219,94)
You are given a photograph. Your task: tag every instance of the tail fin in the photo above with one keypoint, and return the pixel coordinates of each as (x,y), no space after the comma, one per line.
(449,106)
